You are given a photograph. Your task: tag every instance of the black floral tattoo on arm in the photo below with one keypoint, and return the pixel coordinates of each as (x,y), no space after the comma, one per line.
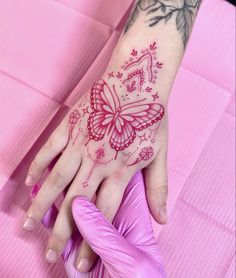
(156,11)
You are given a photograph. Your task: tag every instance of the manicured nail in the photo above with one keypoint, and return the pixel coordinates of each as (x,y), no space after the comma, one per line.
(163,212)
(29,223)
(83,265)
(34,191)
(51,256)
(29,181)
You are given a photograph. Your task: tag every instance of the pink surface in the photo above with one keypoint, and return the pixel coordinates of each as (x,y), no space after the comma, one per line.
(47,59)
(24,113)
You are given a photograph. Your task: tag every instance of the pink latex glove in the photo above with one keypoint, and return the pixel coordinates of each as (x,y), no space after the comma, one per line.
(128,247)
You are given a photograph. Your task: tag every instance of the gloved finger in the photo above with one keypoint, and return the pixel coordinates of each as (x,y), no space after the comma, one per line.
(157,187)
(108,201)
(117,254)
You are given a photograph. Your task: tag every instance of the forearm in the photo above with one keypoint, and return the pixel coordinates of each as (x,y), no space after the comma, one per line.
(169,24)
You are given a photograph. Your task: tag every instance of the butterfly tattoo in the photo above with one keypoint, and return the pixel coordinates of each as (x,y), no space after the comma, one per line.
(119,122)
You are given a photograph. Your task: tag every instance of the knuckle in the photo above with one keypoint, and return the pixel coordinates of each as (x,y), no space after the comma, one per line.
(37,209)
(51,144)
(162,187)
(58,238)
(56,179)
(55,142)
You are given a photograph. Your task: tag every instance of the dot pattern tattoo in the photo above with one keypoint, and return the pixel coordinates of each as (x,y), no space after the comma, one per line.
(123,112)
(120,122)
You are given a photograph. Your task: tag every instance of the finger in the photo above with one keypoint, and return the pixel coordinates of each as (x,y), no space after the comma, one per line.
(55,183)
(64,224)
(114,250)
(54,145)
(157,187)
(108,202)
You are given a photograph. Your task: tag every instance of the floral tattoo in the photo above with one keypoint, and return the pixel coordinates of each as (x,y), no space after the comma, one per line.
(157,11)
(123,109)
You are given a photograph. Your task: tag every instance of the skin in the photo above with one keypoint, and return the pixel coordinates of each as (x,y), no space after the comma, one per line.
(90,167)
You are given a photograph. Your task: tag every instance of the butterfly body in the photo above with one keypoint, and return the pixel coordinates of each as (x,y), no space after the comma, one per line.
(119,123)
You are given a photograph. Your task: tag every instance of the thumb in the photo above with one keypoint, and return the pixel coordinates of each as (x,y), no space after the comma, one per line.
(157,188)
(118,255)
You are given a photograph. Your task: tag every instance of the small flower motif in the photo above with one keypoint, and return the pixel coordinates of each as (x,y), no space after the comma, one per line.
(85,184)
(146,153)
(134,52)
(131,88)
(100,153)
(74,117)
(159,65)
(153,46)
(119,75)
(148,89)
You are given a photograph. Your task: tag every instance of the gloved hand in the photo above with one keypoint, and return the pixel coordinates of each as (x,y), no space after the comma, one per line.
(126,249)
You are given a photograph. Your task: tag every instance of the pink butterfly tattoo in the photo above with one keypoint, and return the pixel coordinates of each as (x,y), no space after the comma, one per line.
(119,123)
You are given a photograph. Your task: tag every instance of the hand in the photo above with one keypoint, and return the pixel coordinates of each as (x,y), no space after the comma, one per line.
(116,129)
(127,249)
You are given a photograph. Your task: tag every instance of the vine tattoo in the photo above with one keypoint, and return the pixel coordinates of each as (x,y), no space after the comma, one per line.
(123,113)
(156,11)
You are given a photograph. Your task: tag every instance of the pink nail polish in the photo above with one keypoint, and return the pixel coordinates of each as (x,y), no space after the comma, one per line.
(34,191)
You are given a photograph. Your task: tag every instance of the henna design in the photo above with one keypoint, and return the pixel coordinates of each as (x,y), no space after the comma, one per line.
(73,119)
(153,133)
(142,70)
(163,10)
(142,138)
(98,160)
(134,52)
(145,154)
(80,130)
(110,75)
(148,89)
(155,96)
(85,110)
(120,122)
(119,75)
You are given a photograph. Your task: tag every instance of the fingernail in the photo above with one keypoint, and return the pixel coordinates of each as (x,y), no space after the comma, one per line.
(83,265)
(29,223)
(163,212)
(51,256)
(29,181)
(34,191)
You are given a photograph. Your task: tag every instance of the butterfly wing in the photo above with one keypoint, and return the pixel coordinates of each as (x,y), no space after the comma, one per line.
(123,135)
(141,116)
(104,103)
(102,98)
(133,118)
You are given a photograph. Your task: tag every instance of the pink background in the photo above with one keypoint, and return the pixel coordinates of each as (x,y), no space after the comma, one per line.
(48,57)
